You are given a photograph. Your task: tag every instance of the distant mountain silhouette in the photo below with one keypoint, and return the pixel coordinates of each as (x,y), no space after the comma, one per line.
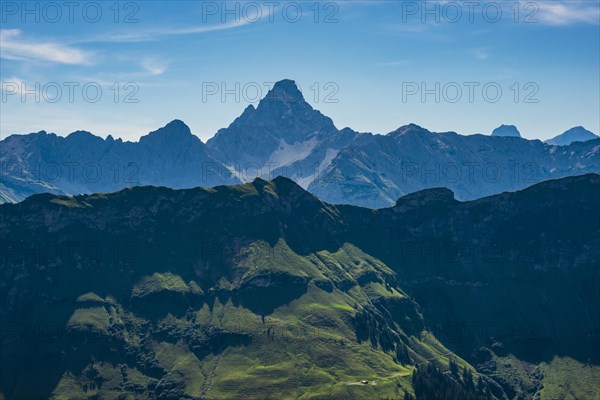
(412,158)
(506,130)
(576,134)
(83,163)
(285,136)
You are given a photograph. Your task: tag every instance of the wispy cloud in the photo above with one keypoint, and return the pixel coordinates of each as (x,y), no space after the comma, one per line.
(12,85)
(13,46)
(149,67)
(569,12)
(545,12)
(158,34)
(414,27)
(153,67)
(396,63)
(479,53)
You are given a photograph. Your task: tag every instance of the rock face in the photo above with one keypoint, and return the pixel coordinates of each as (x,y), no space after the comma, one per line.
(286,136)
(83,163)
(151,292)
(576,134)
(283,118)
(506,131)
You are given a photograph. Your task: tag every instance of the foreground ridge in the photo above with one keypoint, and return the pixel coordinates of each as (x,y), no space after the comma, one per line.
(261,290)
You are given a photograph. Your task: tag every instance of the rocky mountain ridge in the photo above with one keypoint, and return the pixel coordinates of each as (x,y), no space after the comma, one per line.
(285,136)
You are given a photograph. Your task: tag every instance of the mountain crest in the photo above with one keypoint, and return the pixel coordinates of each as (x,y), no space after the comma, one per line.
(576,134)
(175,130)
(286,192)
(427,197)
(269,132)
(506,131)
(81,135)
(285,90)
(177,125)
(410,128)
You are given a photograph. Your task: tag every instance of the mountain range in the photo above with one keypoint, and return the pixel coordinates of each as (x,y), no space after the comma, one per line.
(412,158)
(577,134)
(263,291)
(285,136)
(83,163)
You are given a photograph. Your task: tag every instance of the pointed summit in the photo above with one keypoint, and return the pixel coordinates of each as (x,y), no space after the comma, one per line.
(174,130)
(177,126)
(285,90)
(406,129)
(283,97)
(282,126)
(285,100)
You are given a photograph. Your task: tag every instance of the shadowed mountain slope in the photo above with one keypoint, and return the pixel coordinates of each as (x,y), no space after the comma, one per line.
(261,290)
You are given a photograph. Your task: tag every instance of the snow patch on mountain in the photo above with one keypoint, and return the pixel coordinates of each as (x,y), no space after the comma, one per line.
(286,154)
(307,180)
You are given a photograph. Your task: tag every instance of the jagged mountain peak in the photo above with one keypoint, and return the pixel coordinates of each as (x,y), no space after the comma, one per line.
(285,90)
(283,128)
(248,110)
(176,126)
(410,128)
(175,130)
(284,96)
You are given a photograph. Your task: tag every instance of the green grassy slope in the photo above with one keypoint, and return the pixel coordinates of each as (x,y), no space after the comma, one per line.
(262,291)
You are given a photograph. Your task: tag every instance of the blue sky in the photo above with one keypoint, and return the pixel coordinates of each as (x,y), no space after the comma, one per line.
(363,63)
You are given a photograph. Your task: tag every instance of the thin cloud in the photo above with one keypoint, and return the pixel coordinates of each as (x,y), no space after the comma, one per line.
(12,85)
(147,36)
(158,34)
(153,67)
(479,53)
(414,27)
(392,63)
(13,46)
(544,12)
(569,12)
(150,67)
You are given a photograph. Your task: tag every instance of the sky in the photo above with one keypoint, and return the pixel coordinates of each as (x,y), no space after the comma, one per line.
(127,68)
